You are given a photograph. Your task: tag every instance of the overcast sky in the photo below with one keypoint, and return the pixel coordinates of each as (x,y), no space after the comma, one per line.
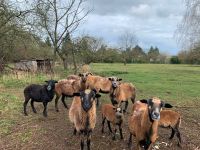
(153,21)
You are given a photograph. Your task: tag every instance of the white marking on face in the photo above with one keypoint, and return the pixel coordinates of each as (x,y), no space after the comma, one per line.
(118,109)
(157,110)
(87,91)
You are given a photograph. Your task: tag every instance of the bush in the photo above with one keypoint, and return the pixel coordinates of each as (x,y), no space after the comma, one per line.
(175,60)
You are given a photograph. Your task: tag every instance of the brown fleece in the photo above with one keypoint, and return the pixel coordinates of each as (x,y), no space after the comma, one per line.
(124,92)
(98,83)
(79,117)
(141,126)
(110,114)
(170,118)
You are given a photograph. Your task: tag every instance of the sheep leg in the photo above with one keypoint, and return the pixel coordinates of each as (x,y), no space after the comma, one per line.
(97,99)
(82,139)
(109,127)
(25,104)
(63,101)
(32,105)
(103,121)
(75,131)
(45,109)
(172,134)
(88,140)
(133,99)
(120,130)
(126,106)
(56,102)
(179,137)
(130,141)
(114,134)
(113,101)
(149,146)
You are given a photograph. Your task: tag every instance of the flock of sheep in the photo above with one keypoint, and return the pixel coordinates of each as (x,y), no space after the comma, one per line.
(146,114)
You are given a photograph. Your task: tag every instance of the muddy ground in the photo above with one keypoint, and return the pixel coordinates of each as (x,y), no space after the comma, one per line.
(56,132)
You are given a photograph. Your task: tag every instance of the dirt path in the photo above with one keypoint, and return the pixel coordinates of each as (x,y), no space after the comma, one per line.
(55,133)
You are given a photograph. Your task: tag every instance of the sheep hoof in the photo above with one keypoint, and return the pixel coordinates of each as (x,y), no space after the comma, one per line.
(35,111)
(57,110)
(113,138)
(45,115)
(25,114)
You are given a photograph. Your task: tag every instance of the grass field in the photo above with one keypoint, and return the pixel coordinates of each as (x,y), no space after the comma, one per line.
(177,84)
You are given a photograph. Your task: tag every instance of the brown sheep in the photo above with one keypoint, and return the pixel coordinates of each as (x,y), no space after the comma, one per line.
(171,119)
(82,114)
(122,92)
(144,121)
(66,88)
(100,84)
(73,77)
(85,68)
(113,115)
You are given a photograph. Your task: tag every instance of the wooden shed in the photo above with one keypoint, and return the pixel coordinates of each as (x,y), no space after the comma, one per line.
(35,65)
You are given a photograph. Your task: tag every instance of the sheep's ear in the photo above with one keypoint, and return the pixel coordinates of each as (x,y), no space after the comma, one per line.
(89,73)
(114,108)
(166,105)
(77,94)
(80,74)
(46,81)
(119,79)
(94,90)
(144,101)
(97,95)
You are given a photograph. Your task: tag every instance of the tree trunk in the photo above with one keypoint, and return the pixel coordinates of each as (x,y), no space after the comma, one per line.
(65,63)
(74,62)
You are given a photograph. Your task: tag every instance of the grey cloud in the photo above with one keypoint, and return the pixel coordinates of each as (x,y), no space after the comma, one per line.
(153,22)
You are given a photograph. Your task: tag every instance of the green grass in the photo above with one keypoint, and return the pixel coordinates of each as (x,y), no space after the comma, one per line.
(178,84)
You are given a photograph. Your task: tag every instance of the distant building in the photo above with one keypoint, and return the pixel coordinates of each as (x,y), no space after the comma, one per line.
(35,65)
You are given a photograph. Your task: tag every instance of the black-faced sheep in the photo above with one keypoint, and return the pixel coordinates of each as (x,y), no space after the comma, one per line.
(121,92)
(82,114)
(143,123)
(113,115)
(171,119)
(39,93)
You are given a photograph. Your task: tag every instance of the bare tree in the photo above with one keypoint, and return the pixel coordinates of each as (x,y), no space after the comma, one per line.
(56,19)
(126,42)
(188,32)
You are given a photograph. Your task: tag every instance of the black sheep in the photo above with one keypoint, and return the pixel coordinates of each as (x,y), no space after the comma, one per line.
(39,93)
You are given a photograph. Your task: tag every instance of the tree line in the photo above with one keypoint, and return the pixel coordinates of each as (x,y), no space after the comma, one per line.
(44,29)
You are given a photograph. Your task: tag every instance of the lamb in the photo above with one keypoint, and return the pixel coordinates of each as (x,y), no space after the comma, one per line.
(144,121)
(39,93)
(171,119)
(66,88)
(113,115)
(82,114)
(122,92)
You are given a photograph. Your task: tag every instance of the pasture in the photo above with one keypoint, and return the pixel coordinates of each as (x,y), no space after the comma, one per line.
(176,84)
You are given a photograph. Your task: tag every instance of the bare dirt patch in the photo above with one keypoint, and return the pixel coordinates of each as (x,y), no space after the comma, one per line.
(56,133)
